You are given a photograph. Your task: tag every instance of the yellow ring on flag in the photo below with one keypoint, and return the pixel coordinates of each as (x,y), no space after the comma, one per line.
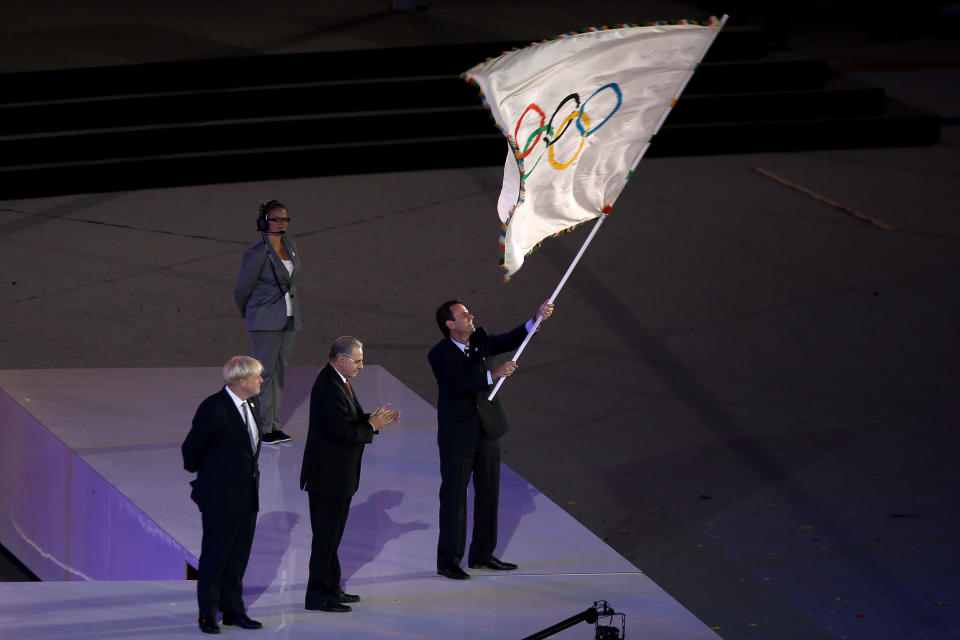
(558,166)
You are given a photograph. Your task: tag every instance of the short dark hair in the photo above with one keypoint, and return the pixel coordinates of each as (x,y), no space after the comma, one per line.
(443,314)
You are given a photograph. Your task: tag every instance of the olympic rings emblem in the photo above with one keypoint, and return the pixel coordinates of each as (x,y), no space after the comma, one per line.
(545,131)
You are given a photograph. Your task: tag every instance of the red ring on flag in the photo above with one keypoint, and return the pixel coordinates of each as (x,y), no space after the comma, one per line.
(516,132)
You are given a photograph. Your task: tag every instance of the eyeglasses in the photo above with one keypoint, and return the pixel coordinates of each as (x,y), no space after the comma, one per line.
(279,219)
(359,362)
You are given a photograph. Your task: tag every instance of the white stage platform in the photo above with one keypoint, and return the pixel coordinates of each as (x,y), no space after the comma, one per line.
(96,502)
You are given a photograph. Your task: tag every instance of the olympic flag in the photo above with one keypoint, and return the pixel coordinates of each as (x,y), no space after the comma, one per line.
(578,113)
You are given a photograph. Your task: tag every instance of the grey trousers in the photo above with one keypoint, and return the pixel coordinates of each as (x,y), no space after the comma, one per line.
(272,349)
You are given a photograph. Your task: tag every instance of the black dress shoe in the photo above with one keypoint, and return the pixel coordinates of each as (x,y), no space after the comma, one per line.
(329,605)
(342,597)
(494,564)
(453,572)
(208,624)
(241,620)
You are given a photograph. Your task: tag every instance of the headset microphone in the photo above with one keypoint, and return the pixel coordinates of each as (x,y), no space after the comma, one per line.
(263,225)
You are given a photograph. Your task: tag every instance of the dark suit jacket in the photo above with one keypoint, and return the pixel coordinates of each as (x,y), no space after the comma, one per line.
(462,380)
(335,440)
(259,294)
(218,449)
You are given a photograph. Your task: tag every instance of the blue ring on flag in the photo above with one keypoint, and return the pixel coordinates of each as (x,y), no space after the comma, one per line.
(583,109)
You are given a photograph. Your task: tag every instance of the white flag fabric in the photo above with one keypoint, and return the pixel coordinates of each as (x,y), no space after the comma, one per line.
(577,113)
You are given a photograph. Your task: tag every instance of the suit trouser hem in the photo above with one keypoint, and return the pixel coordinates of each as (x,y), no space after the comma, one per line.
(328,517)
(225,551)
(456,468)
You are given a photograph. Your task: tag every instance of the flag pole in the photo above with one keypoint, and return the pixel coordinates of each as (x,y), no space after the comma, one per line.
(596,227)
(553,296)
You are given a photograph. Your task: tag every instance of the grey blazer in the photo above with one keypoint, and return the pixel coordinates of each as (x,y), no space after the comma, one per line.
(260,289)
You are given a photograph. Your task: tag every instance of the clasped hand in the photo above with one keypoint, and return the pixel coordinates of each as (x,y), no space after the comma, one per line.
(382,416)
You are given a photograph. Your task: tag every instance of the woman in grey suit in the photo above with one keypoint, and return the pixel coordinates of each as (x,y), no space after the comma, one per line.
(266,294)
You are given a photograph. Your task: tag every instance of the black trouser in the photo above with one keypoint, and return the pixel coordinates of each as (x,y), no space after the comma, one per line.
(227,539)
(328,516)
(456,466)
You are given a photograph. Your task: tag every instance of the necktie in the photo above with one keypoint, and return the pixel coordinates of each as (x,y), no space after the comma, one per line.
(349,388)
(250,429)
